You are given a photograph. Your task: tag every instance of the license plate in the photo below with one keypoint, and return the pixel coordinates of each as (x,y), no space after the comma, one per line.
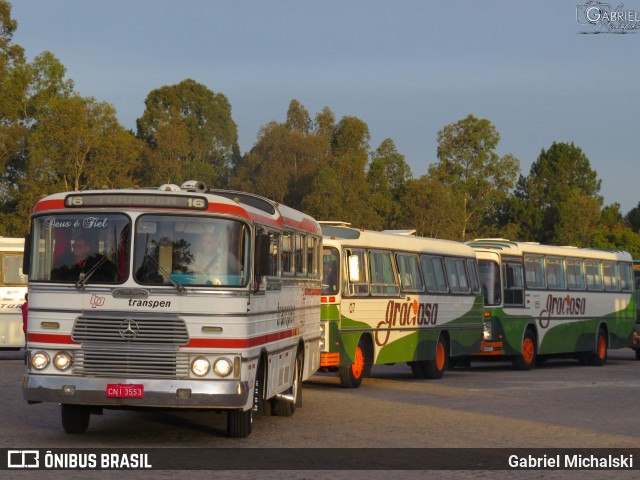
(125,390)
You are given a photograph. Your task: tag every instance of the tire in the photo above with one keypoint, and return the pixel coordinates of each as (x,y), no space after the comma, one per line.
(417,370)
(239,423)
(637,354)
(351,376)
(75,418)
(434,369)
(599,357)
(286,408)
(261,407)
(527,358)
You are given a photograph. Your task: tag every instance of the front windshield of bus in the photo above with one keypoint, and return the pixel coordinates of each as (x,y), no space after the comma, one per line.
(190,251)
(12,270)
(330,271)
(80,248)
(490,281)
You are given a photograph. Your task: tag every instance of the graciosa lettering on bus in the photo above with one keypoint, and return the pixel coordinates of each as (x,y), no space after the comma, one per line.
(392,297)
(177,297)
(544,300)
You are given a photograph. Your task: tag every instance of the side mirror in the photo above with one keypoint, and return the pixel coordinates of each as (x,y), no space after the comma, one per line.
(26,256)
(261,255)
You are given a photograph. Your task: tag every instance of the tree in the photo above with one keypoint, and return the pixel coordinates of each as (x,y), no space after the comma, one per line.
(387,177)
(616,238)
(633,217)
(191,127)
(298,118)
(469,167)
(561,175)
(432,209)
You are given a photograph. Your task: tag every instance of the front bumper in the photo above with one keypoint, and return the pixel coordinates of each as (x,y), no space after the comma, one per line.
(216,394)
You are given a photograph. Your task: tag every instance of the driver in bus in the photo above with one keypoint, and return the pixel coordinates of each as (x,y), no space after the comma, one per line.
(85,261)
(213,257)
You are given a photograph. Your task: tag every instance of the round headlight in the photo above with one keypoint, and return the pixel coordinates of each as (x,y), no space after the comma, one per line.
(223,367)
(40,360)
(62,361)
(200,366)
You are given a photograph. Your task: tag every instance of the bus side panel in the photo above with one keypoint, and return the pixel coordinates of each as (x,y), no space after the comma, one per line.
(512,326)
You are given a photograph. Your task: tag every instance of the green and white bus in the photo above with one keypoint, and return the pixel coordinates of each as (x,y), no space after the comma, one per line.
(392,297)
(543,300)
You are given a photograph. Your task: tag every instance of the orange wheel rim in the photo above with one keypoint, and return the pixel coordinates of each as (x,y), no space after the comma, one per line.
(528,350)
(440,356)
(602,347)
(358,363)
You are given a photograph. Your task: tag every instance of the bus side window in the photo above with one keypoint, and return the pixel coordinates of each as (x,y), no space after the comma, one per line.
(383,279)
(356,275)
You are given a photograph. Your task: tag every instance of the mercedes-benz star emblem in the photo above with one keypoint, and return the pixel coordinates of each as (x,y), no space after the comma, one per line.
(128,329)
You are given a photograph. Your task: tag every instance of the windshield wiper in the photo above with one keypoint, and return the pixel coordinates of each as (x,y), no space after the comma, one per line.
(83,281)
(175,283)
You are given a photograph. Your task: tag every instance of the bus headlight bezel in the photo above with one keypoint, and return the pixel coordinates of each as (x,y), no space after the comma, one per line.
(223,367)
(40,360)
(200,366)
(63,361)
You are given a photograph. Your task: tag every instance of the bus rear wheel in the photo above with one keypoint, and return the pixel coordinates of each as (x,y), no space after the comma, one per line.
(599,357)
(286,407)
(75,418)
(351,376)
(527,358)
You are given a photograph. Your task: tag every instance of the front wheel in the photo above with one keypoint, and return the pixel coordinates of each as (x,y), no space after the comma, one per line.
(239,423)
(638,354)
(351,376)
(75,418)
(527,358)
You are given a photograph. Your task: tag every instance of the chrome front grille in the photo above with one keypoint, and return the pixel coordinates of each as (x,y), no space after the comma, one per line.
(159,329)
(133,346)
(117,360)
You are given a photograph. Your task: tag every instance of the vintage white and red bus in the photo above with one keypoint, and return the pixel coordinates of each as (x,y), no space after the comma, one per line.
(13,287)
(121,315)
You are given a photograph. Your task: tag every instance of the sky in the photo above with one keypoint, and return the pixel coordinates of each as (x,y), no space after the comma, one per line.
(407,68)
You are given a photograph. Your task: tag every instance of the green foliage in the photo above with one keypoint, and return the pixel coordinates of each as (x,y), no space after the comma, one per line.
(563,191)
(188,128)
(432,208)
(469,166)
(616,237)
(633,218)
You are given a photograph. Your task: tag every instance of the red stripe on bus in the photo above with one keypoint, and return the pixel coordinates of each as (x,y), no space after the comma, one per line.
(241,342)
(51,338)
(49,205)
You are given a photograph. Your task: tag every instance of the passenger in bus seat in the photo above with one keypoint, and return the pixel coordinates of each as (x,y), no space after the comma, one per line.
(84,261)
